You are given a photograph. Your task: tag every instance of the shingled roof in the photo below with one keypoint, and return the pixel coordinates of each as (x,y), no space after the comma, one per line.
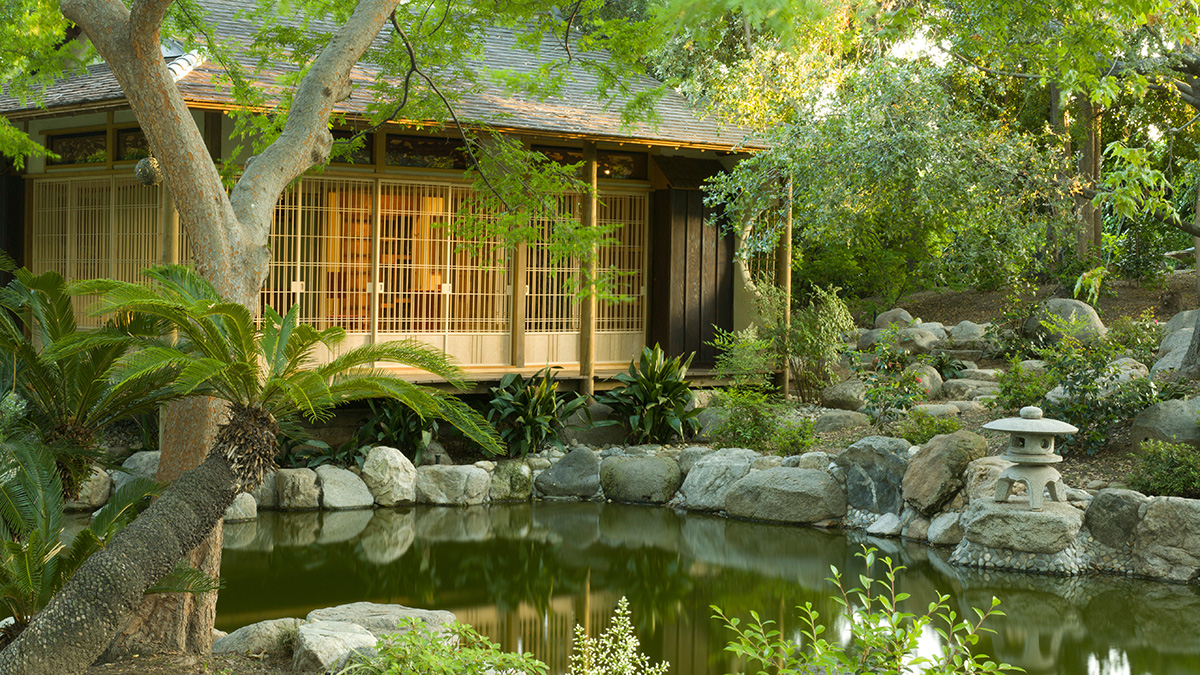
(576,113)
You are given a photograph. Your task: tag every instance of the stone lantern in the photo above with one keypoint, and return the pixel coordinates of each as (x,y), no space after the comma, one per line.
(1031,446)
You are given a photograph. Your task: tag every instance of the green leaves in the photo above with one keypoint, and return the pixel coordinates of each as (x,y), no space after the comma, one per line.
(653,398)
(530,412)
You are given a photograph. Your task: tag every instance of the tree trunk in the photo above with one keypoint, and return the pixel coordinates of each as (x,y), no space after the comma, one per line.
(1087,230)
(81,620)
(1190,368)
(178,623)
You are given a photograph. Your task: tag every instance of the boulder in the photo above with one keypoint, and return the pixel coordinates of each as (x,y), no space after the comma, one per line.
(1185,320)
(887,525)
(1087,324)
(325,646)
(343,525)
(938,409)
(576,475)
(452,485)
(938,330)
(1112,517)
(895,316)
(242,509)
(968,333)
(1166,543)
(980,477)
(265,495)
(1034,366)
(929,378)
(836,420)
(709,420)
(93,492)
(786,495)
(512,481)
(945,529)
(1173,421)
(390,476)
(274,637)
(689,456)
(915,528)
(934,474)
(640,480)
(380,619)
(708,483)
(1014,527)
(959,389)
(1173,342)
(847,395)
(341,489)
(143,464)
(296,490)
(1172,361)
(809,460)
(981,374)
(916,340)
(1123,370)
(874,469)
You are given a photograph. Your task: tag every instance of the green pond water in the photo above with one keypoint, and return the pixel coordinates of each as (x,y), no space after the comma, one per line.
(526,574)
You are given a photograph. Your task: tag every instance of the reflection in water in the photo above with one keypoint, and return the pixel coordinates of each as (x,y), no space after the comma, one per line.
(526,574)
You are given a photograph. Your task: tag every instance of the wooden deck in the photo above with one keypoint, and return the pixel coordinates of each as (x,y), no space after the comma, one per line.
(483,378)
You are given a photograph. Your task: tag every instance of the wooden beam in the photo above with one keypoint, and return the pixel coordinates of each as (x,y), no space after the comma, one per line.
(170,228)
(783,279)
(517,324)
(587,309)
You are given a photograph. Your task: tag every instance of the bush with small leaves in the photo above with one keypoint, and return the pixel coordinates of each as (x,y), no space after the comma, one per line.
(919,426)
(793,438)
(1167,470)
(750,419)
(1021,386)
(460,651)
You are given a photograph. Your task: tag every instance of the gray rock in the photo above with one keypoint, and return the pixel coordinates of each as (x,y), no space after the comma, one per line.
(341,489)
(452,485)
(938,409)
(836,420)
(390,476)
(982,375)
(708,483)
(874,469)
(689,456)
(786,495)
(296,490)
(1166,543)
(435,454)
(1175,341)
(325,646)
(1172,361)
(275,637)
(945,529)
(967,406)
(809,460)
(968,389)
(576,475)
(1181,321)
(848,395)
(242,509)
(1112,517)
(934,474)
(387,537)
(143,464)
(343,525)
(1034,366)
(265,495)
(887,525)
(640,480)
(938,330)
(709,419)
(381,619)
(766,462)
(1088,324)
(895,316)
(93,492)
(512,481)
(916,340)
(916,528)
(967,333)
(929,378)
(1015,527)
(1173,421)
(980,477)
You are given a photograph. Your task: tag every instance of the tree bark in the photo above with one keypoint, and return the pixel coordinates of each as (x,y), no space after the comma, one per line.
(1087,230)
(81,620)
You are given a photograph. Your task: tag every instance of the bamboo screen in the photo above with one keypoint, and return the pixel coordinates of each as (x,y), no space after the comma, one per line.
(625,259)
(88,228)
(479,301)
(551,305)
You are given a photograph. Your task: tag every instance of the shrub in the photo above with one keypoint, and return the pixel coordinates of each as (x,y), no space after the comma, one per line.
(530,412)
(1004,335)
(1168,470)
(615,652)
(889,388)
(1138,338)
(793,438)
(1021,386)
(653,398)
(750,419)
(883,639)
(395,425)
(462,651)
(745,360)
(919,426)
(811,344)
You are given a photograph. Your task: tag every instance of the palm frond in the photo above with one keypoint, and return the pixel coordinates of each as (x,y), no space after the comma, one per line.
(185,579)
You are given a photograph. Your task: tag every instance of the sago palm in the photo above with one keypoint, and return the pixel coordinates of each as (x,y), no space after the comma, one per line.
(268,372)
(70,395)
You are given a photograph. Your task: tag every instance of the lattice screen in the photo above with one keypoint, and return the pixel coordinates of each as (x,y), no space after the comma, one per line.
(550,302)
(89,228)
(625,259)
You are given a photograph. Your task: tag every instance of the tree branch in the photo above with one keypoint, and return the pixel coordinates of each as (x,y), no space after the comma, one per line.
(962,59)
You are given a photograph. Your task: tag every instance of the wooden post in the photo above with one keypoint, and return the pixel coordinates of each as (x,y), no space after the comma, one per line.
(783,279)
(587,309)
(170,228)
(517,325)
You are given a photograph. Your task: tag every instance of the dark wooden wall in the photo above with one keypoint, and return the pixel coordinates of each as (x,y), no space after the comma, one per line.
(691,275)
(12,216)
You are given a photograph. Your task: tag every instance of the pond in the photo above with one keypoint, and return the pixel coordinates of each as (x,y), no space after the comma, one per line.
(526,574)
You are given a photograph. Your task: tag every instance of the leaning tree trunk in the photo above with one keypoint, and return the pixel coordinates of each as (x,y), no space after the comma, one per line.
(1190,368)
(179,623)
(81,620)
